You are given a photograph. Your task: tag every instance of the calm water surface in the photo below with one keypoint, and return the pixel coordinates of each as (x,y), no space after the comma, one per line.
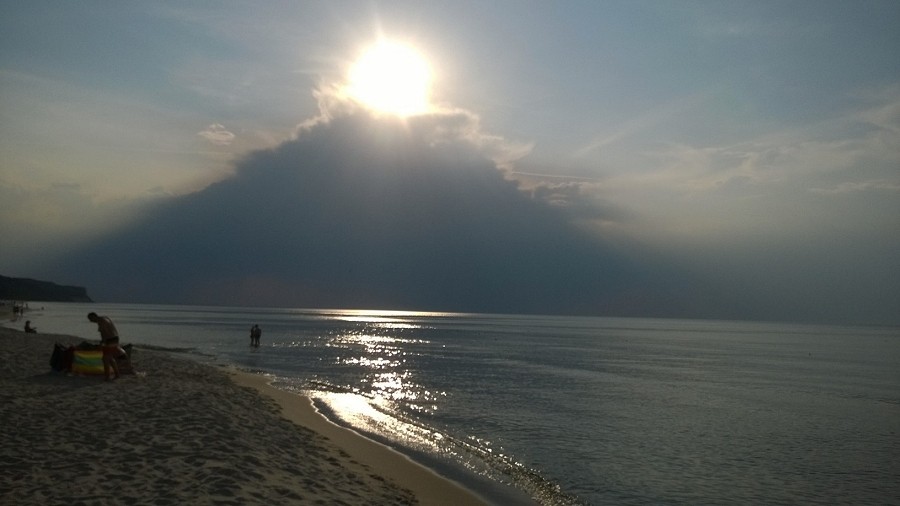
(576,410)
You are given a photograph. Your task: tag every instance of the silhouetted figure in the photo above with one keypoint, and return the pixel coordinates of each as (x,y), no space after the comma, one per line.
(255,334)
(29,329)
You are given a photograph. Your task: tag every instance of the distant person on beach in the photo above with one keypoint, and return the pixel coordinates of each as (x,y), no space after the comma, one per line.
(29,329)
(255,334)
(109,338)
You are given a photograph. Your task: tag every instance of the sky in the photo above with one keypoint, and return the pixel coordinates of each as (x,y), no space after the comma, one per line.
(695,159)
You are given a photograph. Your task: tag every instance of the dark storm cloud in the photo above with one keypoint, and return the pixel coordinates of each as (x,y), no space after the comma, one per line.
(375,213)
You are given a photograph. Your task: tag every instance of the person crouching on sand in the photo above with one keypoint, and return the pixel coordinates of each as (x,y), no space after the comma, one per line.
(109,338)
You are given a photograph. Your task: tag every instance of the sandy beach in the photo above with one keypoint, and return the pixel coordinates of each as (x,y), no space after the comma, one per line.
(180,432)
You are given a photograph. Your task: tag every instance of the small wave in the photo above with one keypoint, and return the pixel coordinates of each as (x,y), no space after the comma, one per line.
(168,349)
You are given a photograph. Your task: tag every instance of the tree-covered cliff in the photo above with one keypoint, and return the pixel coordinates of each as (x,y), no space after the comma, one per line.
(32,289)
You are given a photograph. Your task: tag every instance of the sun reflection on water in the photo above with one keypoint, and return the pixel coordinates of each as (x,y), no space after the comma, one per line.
(371,362)
(371,415)
(375,359)
(368,340)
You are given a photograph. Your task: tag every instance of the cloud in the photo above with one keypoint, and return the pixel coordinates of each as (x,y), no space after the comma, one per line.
(441,125)
(642,123)
(359,211)
(855,149)
(859,186)
(217,134)
(41,223)
(799,223)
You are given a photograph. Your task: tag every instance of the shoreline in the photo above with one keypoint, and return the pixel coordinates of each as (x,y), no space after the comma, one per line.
(429,487)
(183,432)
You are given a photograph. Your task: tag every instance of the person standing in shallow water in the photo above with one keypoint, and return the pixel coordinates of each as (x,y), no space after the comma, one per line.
(255,334)
(109,339)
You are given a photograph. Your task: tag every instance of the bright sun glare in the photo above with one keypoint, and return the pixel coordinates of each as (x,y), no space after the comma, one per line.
(391,78)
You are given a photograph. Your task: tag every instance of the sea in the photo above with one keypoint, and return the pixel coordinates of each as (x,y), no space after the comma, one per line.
(556,410)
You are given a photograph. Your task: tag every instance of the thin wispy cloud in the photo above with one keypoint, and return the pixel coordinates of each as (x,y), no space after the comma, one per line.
(217,134)
(642,123)
(861,186)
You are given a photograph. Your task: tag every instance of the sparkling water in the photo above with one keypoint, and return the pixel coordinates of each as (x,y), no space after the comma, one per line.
(568,410)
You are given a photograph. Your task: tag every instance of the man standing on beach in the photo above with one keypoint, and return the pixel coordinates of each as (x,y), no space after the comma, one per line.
(109,338)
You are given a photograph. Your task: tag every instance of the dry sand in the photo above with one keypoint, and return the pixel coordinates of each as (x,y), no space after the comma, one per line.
(181,432)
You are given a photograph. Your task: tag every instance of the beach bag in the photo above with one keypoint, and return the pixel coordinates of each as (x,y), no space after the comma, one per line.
(58,360)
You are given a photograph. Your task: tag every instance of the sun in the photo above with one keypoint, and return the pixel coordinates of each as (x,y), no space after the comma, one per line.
(391,78)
